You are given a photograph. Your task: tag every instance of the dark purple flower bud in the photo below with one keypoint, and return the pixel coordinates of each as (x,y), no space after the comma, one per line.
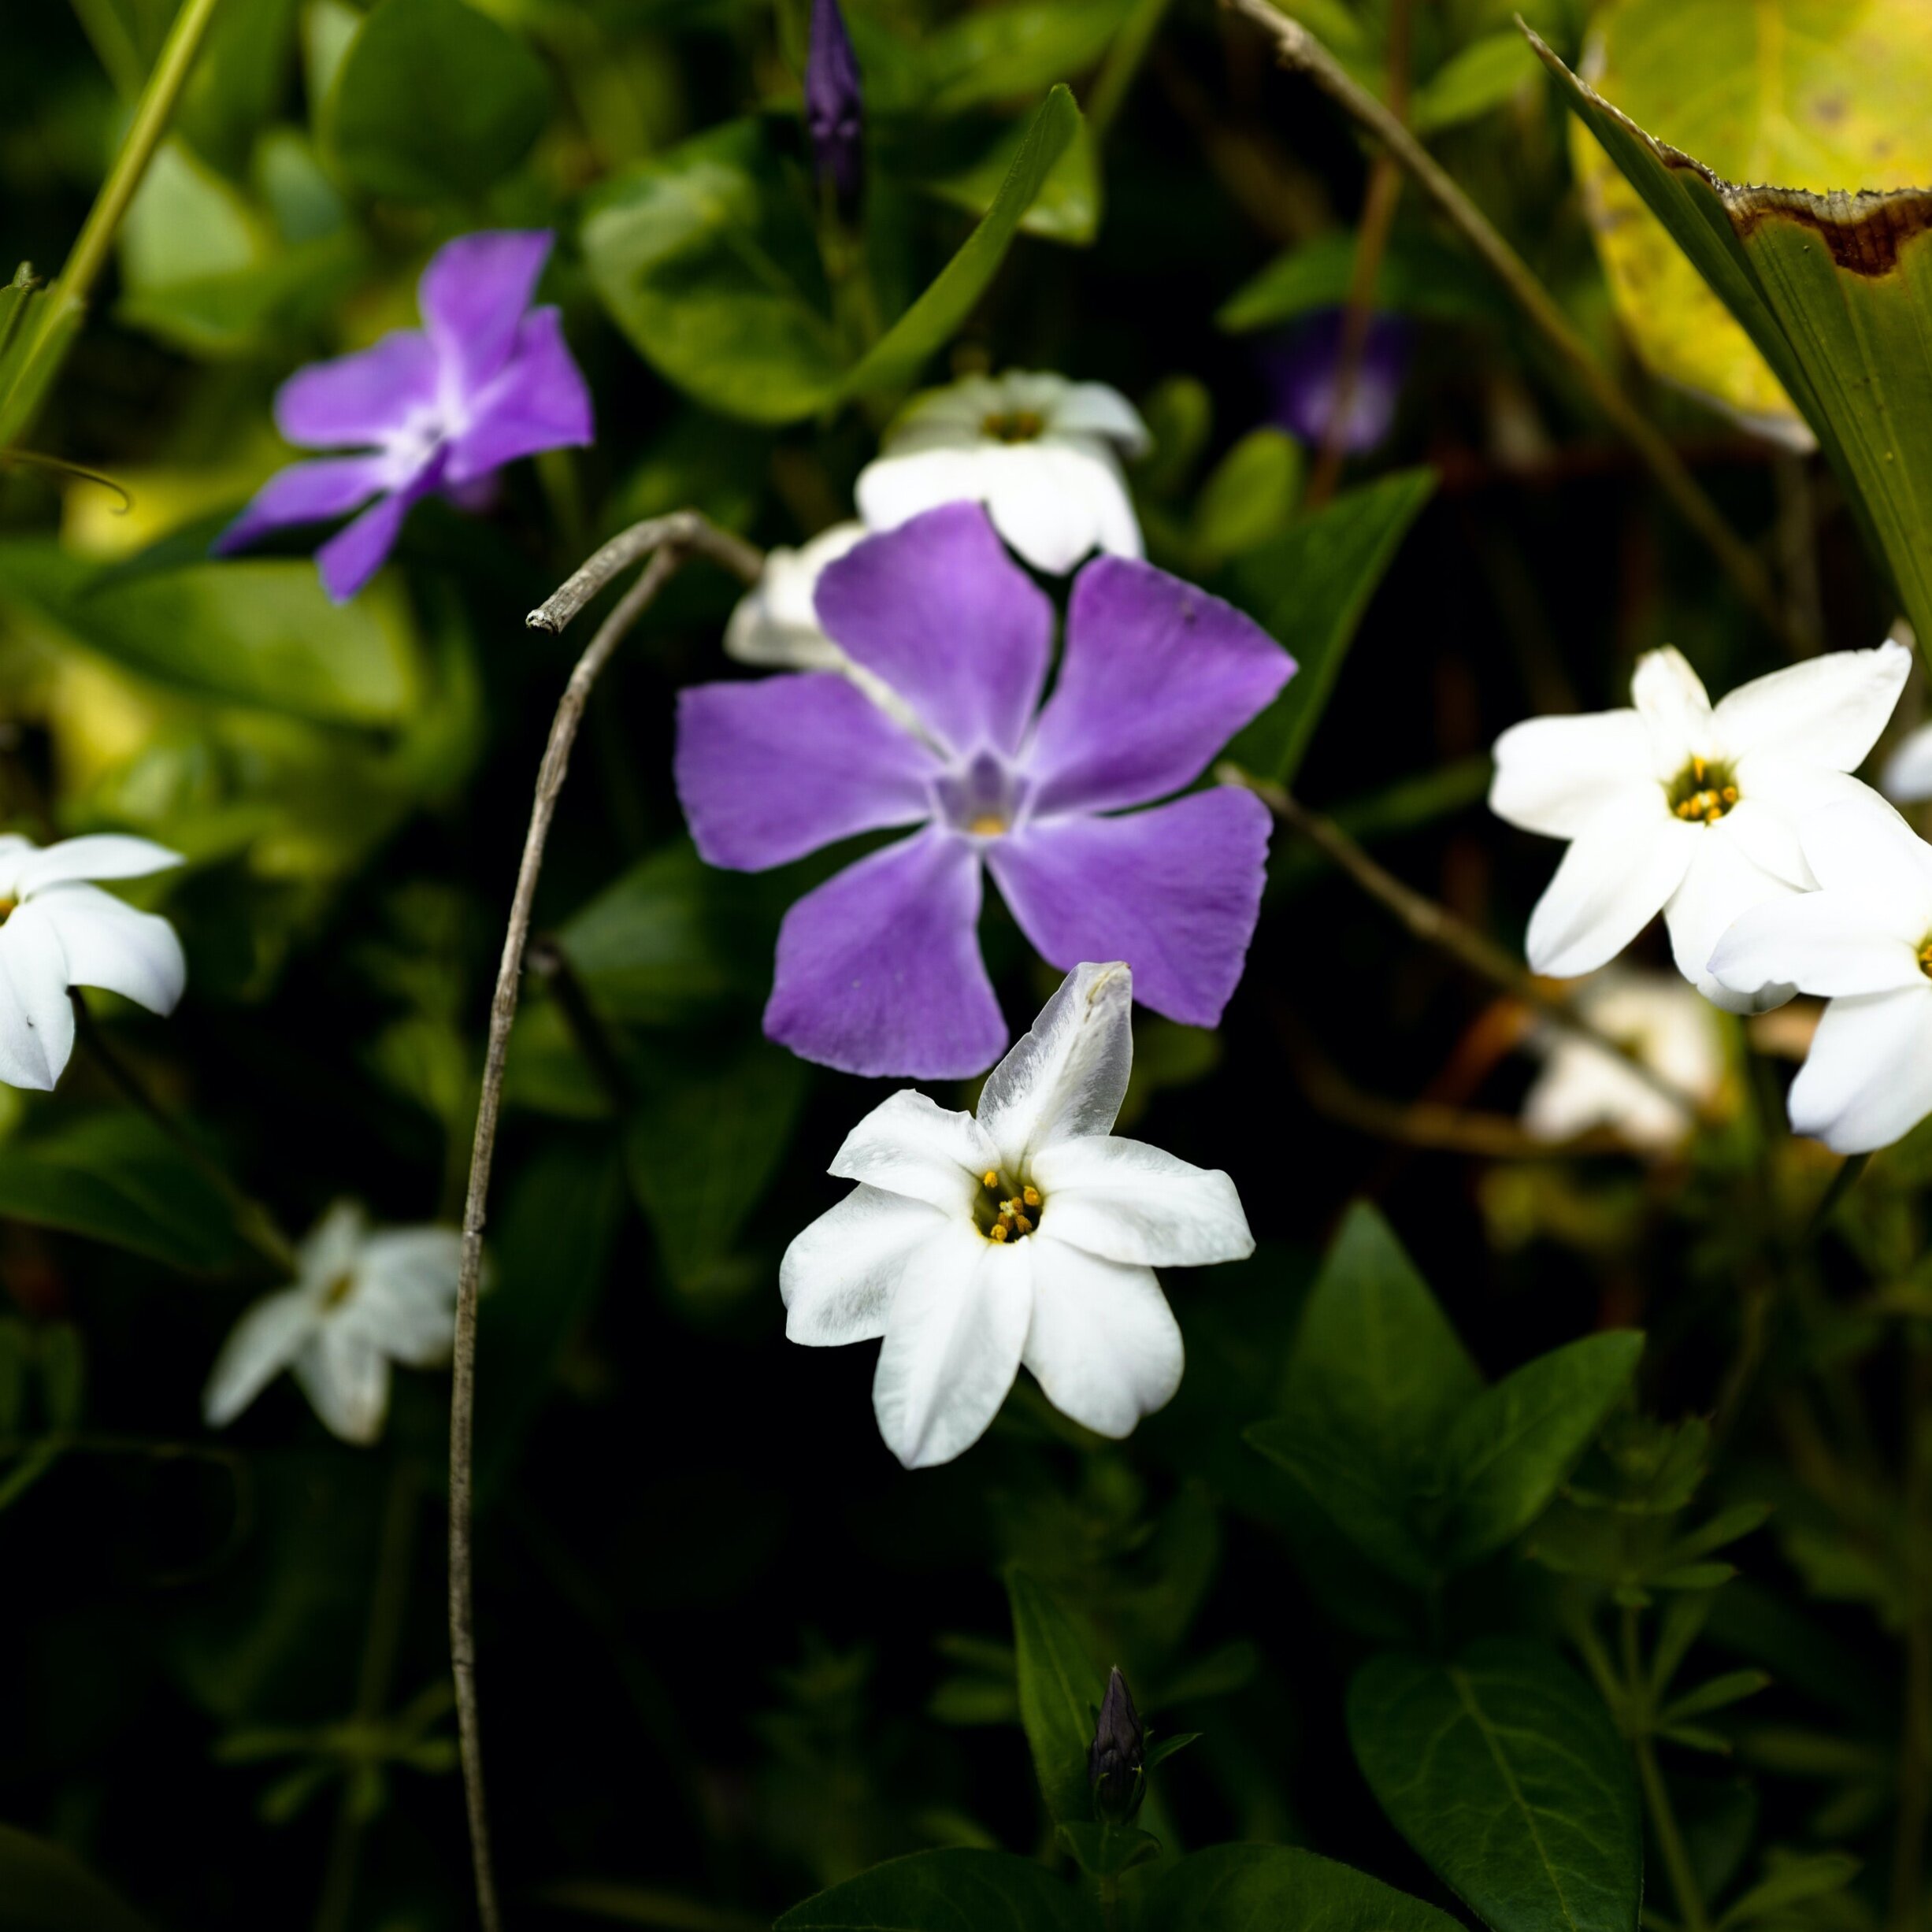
(834,116)
(1304,367)
(1116,1760)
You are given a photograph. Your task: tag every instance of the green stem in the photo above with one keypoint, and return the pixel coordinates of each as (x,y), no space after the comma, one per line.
(1676,1865)
(67,298)
(1915,1740)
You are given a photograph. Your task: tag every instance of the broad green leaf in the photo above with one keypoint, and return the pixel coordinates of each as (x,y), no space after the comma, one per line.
(1309,587)
(1376,1379)
(1060,1691)
(1513,1446)
(1418,275)
(1472,81)
(1835,292)
(44,1889)
(1067,208)
(1791,1883)
(1106,1851)
(238,79)
(1242,1888)
(259,632)
(1503,1770)
(1000,53)
(433,100)
(954,1890)
(117,1178)
(1249,497)
(701,1145)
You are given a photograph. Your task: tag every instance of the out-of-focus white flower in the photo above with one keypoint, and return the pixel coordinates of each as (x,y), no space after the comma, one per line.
(1041,452)
(1694,811)
(1863,942)
(1029,1235)
(361,1301)
(776,622)
(56,931)
(1907,775)
(1583,1085)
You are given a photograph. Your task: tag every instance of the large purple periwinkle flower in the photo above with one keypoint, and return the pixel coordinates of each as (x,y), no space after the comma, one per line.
(487,380)
(1304,367)
(879,970)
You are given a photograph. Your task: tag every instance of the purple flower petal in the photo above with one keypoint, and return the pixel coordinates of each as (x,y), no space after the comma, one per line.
(356,552)
(879,970)
(939,611)
(473,294)
(356,400)
(1157,676)
(538,401)
(1174,891)
(770,771)
(304,493)
(834,109)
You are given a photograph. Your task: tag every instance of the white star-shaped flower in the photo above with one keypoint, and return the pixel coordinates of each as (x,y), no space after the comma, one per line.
(1041,452)
(57,930)
(1583,1085)
(1680,807)
(361,1301)
(1029,1235)
(1862,941)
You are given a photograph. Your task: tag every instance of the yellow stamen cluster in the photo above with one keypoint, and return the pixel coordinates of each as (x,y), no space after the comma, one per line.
(1925,959)
(1013,1219)
(987,825)
(339,1290)
(1013,425)
(7,907)
(1705,795)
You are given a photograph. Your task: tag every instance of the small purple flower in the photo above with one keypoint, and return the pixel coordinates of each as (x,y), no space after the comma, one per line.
(487,380)
(879,970)
(1303,366)
(833,117)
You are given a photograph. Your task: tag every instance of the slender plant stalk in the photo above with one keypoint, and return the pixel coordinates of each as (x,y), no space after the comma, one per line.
(1298,49)
(1436,926)
(68,298)
(667,541)
(1692,1914)
(1915,1739)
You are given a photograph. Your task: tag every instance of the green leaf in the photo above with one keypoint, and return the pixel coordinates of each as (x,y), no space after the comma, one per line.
(1060,1691)
(1376,1378)
(1067,208)
(1310,588)
(433,100)
(1793,1881)
(238,81)
(1249,497)
(1503,1770)
(702,1145)
(117,1178)
(1418,276)
(43,1888)
(1472,81)
(1242,1888)
(25,374)
(259,632)
(1835,292)
(1001,53)
(1721,1691)
(953,1890)
(1106,1851)
(1514,1445)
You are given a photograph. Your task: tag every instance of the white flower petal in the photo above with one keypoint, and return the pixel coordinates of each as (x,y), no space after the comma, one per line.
(1066,1078)
(333,1247)
(1769,838)
(1554,774)
(109,944)
(346,1377)
(1049,500)
(404,1295)
(1613,881)
(1095,409)
(102,855)
(1908,771)
(1104,1344)
(1828,710)
(892,488)
(1722,885)
(1865,846)
(1670,698)
(1584,1086)
(263,1343)
(1128,1202)
(839,1276)
(1868,1078)
(1828,943)
(909,1144)
(954,1336)
(36,1018)
(776,622)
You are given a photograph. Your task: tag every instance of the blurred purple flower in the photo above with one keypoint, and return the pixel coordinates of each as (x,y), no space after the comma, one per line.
(1302,367)
(879,970)
(487,380)
(833,117)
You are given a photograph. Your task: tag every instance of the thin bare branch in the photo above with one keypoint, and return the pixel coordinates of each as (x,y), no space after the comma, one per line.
(684,532)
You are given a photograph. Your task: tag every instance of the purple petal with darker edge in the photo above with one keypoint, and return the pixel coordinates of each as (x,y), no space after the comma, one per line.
(473,293)
(1304,368)
(304,493)
(1156,678)
(1174,891)
(538,401)
(356,552)
(939,611)
(358,399)
(879,970)
(770,771)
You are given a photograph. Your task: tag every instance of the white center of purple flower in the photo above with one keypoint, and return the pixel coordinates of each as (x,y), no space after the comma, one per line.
(982,798)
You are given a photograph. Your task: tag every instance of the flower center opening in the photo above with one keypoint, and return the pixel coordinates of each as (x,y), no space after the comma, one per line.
(339,1290)
(1004,1214)
(982,798)
(1925,959)
(987,825)
(1703,792)
(1013,425)
(7,907)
